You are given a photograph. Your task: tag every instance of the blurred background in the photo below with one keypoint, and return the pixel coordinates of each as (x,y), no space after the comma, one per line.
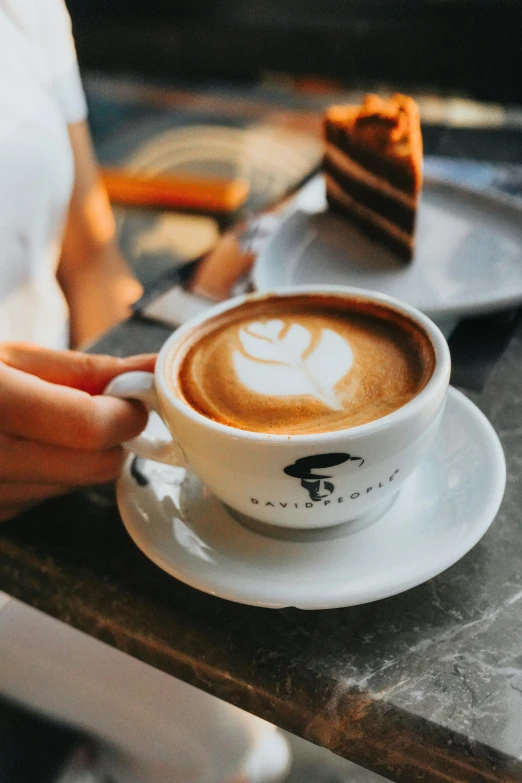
(466,46)
(238,88)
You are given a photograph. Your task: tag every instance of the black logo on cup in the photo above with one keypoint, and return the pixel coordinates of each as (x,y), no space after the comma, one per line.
(315,483)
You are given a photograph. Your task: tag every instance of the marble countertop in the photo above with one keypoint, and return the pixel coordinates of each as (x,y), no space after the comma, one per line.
(426,685)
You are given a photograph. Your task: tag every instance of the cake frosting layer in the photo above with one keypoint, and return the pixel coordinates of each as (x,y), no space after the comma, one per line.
(368,190)
(346,165)
(375,225)
(396,172)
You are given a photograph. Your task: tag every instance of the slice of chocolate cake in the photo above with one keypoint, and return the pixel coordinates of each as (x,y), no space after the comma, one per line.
(373,167)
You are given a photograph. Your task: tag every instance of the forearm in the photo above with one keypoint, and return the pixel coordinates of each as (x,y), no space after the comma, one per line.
(100,294)
(98,285)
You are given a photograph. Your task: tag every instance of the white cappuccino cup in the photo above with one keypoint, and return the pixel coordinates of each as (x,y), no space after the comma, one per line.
(301,481)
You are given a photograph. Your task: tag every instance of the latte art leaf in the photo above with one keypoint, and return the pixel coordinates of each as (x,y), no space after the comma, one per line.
(279,366)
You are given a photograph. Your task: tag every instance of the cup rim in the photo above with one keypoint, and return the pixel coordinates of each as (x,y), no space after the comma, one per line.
(439,376)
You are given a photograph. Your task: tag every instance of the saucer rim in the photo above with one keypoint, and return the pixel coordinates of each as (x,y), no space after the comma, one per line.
(362,595)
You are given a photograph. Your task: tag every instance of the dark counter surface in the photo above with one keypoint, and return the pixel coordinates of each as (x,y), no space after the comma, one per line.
(426,685)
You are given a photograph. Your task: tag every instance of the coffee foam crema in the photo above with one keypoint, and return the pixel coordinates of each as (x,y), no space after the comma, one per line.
(301,364)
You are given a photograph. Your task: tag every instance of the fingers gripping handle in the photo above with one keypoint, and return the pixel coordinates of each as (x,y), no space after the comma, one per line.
(155,442)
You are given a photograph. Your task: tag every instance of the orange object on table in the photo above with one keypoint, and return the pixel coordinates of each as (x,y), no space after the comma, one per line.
(175,191)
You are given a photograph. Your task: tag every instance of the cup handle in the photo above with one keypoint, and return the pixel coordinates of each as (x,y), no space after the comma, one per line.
(141,386)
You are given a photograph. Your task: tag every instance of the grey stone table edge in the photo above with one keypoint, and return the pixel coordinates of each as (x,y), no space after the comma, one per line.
(369,683)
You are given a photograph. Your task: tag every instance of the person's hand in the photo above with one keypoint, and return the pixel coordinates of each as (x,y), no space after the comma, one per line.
(56,430)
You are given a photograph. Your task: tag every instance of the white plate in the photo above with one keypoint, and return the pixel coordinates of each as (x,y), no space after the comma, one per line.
(468,256)
(439,515)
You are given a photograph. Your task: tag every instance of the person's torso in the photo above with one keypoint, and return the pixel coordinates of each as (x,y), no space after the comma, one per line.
(36,177)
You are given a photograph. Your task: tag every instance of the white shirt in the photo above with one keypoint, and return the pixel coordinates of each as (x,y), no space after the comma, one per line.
(40,94)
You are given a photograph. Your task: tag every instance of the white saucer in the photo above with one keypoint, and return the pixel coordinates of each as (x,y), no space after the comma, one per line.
(468,257)
(439,515)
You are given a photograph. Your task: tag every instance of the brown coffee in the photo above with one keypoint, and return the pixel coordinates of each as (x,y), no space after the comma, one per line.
(301,364)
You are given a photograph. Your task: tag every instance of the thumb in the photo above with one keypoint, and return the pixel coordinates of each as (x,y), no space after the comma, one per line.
(89,372)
